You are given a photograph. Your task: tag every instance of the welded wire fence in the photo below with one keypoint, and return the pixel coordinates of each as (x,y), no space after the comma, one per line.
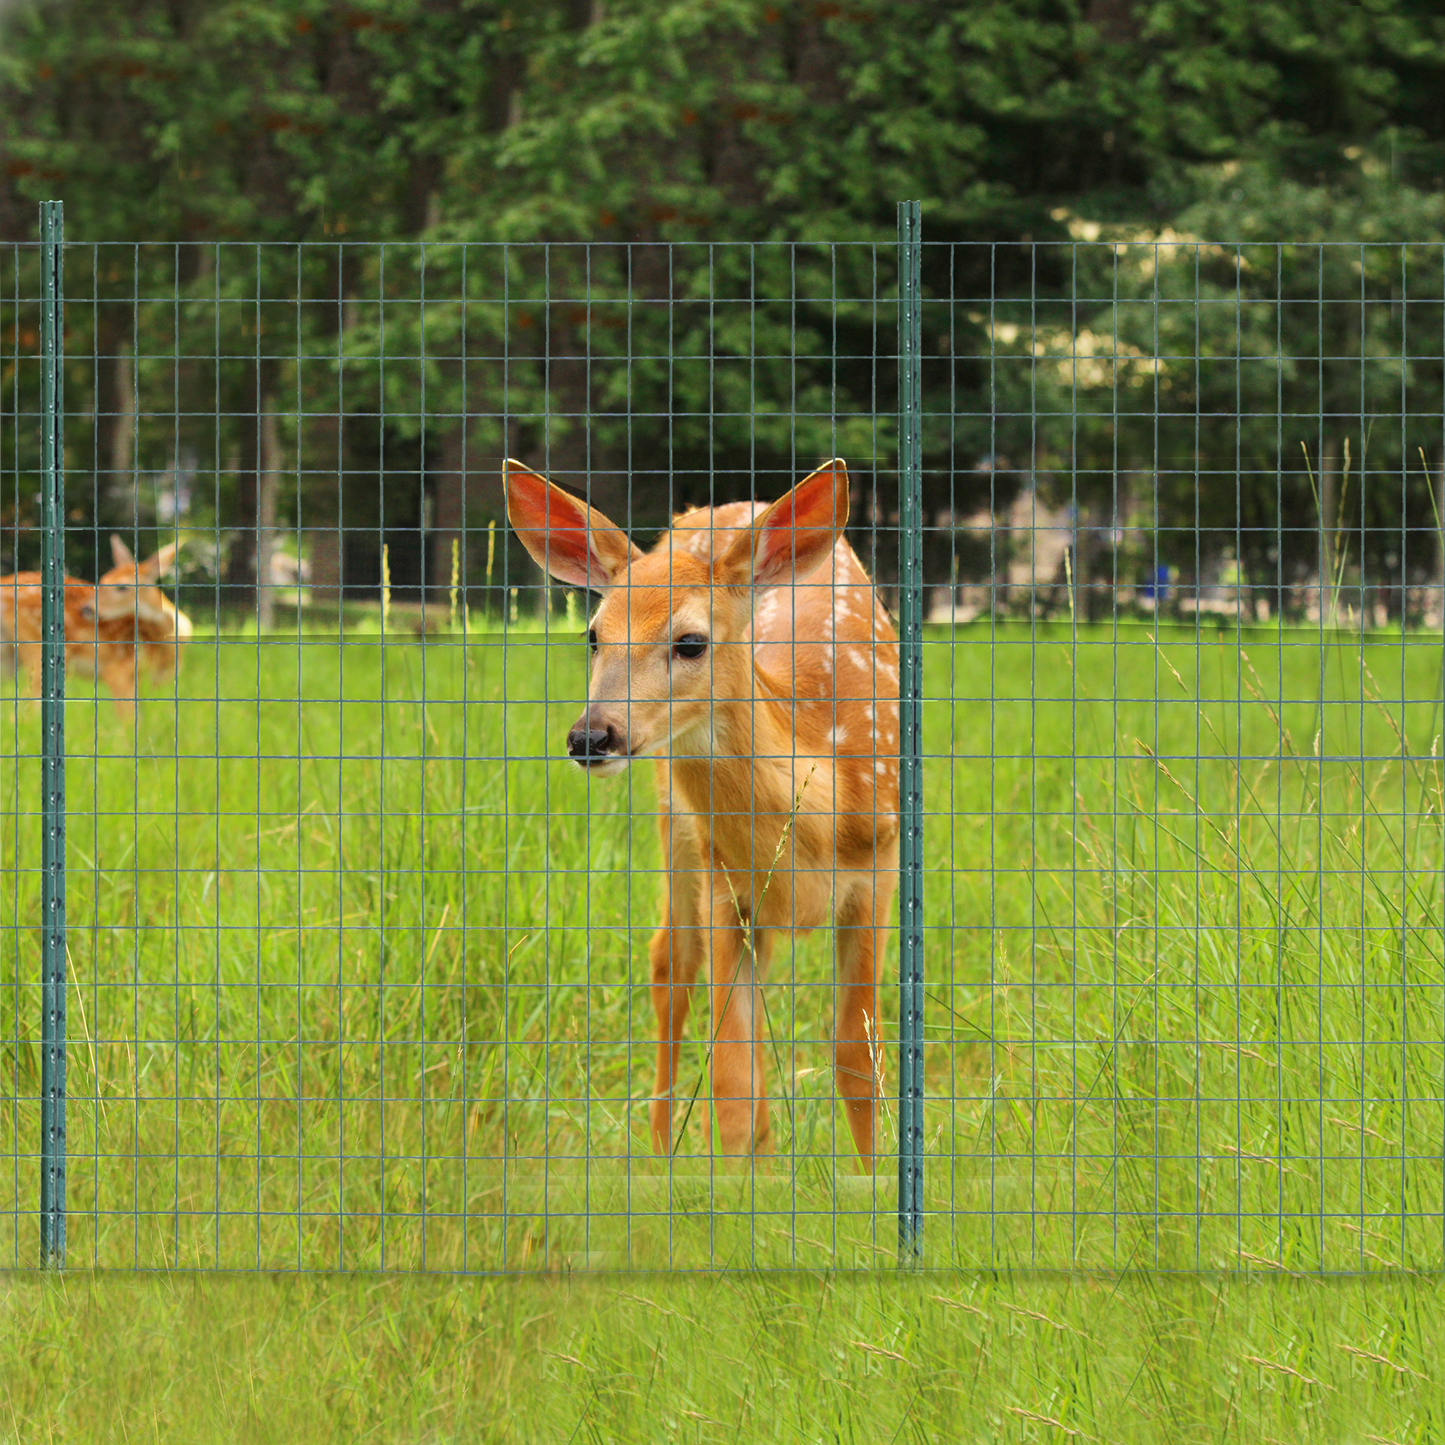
(364,960)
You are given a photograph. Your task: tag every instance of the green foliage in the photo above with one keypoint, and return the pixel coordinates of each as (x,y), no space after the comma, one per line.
(1019,122)
(297,119)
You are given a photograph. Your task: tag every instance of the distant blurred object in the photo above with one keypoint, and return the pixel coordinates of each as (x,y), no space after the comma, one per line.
(1154,592)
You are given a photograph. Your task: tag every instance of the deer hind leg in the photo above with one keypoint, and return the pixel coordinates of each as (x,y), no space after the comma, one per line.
(862,932)
(676,954)
(119,675)
(735,964)
(30,659)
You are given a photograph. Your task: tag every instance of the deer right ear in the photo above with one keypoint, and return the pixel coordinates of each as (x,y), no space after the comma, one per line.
(154,568)
(120,552)
(794,536)
(568,539)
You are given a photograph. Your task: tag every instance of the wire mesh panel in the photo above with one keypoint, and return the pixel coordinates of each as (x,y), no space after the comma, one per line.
(372,820)
(1184,764)
(361,966)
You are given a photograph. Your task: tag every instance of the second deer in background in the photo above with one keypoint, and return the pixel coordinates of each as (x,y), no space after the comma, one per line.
(110,628)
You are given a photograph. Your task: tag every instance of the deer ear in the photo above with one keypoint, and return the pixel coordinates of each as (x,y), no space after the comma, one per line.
(568,539)
(120,552)
(154,568)
(795,536)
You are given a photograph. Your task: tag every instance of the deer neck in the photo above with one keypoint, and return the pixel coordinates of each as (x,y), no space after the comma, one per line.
(744,750)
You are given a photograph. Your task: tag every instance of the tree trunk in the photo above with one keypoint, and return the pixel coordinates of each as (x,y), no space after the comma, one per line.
(568,449)
(566,454)
(268,478)
(240,589)
(449,515)
(1329,510)
(123,423)
(1084,549)
(115,407)
(320,467)
(319,504)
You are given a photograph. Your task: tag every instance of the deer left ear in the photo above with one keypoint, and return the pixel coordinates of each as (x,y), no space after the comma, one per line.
(154,568)
(795,536)
(568,539)
(122,554)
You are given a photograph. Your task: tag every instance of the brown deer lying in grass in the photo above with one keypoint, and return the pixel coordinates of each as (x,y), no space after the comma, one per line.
(109,628)
(749,654)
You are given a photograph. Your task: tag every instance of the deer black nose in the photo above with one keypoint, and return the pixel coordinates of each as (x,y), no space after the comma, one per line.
(584,743)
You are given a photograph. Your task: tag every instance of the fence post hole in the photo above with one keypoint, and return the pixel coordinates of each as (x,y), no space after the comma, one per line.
(910,778)
(52,729)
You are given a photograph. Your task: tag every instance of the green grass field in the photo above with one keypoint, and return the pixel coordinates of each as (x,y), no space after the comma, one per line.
(716,1359)
(359,983)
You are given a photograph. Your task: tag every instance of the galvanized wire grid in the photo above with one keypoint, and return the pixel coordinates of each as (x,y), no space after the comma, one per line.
(1187,925)
(358,960)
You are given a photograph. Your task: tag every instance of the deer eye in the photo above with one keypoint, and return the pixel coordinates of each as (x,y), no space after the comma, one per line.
(690,645)
(592,640)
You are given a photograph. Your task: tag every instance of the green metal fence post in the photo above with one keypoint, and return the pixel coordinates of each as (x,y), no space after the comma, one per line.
(52,727)
(910,607)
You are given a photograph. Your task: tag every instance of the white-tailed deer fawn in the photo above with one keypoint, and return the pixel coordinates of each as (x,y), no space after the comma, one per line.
(109,628)
(749,654)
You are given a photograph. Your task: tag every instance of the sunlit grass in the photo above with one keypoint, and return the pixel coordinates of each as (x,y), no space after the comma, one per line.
(724,1358)
(360,975)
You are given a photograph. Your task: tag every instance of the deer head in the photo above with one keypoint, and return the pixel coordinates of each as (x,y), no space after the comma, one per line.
(670,640)
(130,589)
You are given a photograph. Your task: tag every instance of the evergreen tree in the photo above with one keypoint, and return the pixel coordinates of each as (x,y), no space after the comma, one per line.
(1026,126)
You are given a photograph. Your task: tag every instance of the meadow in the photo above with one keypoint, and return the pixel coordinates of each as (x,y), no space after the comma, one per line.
(710,1359)
(359,973)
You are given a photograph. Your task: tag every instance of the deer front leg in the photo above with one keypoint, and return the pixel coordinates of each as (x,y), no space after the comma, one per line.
(676,954)
(861,930)
(739,1102)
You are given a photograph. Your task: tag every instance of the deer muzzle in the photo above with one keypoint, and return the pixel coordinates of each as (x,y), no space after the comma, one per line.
(596,745)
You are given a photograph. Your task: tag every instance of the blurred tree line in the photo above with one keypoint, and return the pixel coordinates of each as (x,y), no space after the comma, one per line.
(1087,335)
